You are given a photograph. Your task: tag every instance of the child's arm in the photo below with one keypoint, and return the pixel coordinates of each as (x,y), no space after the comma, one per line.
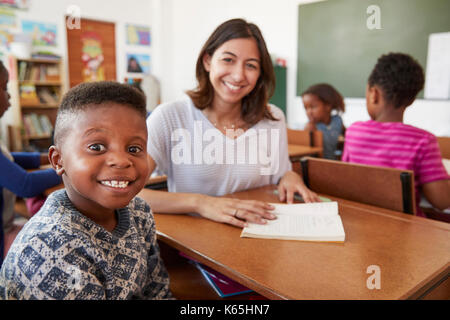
(27,160)
(23,183)
(438,193)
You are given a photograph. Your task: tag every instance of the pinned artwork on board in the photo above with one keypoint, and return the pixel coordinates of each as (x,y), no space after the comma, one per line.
(138,35)
(92,57)
(18,4)
(7,18)
(138,63)
(5,38)
(42,34)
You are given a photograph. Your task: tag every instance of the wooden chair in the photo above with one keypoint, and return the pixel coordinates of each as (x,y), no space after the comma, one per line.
(444,146)
(382,187)
(305,137)
(157,183)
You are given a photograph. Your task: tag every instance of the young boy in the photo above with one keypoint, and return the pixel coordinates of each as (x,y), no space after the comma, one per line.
(386,141)
(93,239)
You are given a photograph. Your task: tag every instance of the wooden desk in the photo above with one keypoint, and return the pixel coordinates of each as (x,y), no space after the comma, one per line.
(297,151)
(413,254)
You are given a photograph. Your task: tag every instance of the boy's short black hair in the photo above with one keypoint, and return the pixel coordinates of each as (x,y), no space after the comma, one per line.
(92,94)
(399,76)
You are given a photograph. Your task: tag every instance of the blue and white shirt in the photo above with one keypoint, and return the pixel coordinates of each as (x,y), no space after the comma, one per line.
(331,133)
(62,254)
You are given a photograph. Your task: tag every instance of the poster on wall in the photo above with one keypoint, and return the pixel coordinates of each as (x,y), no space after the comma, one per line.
(5,38)
(138,63)
(42,34)
(92,57)
(7,18)
(138,35)
(19,4)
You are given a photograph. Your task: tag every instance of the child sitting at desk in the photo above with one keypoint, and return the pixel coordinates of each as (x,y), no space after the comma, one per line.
(386,141)
(319,101)
(93,239)
(14,179)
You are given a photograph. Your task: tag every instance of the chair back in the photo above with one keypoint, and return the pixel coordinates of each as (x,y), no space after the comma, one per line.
(305,137)
(382,187)
(444,146)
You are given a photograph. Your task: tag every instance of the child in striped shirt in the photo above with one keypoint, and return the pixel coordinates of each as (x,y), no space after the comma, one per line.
(386,141)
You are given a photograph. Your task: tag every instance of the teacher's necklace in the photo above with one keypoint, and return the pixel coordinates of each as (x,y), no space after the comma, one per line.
(230,126)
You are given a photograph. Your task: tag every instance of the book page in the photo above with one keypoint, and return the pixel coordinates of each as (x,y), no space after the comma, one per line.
(305,221)
(316,208)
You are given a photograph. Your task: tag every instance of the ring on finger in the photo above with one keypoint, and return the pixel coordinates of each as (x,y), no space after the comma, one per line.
(235,213)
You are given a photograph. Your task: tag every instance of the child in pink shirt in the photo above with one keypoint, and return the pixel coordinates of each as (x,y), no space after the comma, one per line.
(386,141)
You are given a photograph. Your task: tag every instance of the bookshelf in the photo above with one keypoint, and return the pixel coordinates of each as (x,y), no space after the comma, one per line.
(36,88)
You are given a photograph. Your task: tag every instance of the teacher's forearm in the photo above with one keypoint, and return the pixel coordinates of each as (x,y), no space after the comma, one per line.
(169,202)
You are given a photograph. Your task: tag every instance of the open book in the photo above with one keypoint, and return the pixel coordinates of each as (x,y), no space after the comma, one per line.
(318,221)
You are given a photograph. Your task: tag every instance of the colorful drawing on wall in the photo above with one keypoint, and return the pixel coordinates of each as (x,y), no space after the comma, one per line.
(92,57)
(5,38)
(19,4)
(42,34)
(7,18)
(138,35)
(138,63)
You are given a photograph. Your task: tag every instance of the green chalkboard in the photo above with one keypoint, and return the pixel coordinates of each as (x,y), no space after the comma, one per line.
(336,46)
(279,95)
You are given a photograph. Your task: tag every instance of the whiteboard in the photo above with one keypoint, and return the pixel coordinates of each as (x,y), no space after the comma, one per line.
(437,79)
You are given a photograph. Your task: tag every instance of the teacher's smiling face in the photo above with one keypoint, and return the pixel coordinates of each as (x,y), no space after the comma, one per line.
(234,69)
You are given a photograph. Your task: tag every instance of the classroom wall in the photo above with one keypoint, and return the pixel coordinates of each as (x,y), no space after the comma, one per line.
(187,24)
(179,29)
(139,12)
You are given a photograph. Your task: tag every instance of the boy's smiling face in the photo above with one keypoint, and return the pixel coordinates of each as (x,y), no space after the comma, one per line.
(103,158)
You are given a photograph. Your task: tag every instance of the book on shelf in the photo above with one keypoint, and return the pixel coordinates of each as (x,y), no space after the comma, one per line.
(37,125)
(29,127)
(22,70)
(46,55)
(319,221)
(46,125)
(28,94)
(46,96)
(35,71)
(52,73)
(222,285)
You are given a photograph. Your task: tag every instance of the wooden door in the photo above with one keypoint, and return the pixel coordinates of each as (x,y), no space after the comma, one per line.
(91,52)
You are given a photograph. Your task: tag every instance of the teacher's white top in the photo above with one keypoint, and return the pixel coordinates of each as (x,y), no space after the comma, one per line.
(198,158)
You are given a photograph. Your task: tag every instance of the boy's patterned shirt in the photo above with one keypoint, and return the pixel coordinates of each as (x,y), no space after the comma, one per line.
(61,254)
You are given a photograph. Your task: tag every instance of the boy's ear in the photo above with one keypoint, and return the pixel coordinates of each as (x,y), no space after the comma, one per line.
(54,156)
(207,62)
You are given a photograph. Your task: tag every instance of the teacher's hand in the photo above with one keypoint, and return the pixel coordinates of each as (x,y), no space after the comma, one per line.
(291,183)
(234,211)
